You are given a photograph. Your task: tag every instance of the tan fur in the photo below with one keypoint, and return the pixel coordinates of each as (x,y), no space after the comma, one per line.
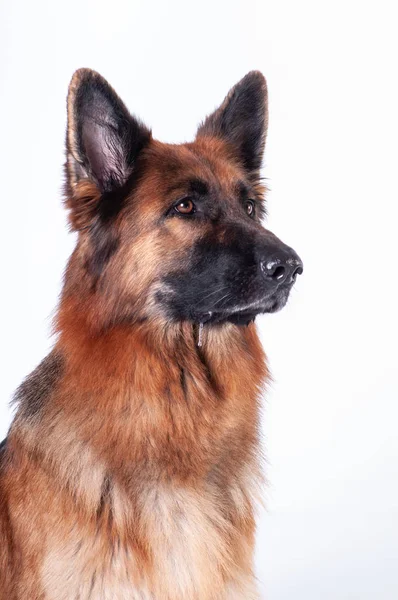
(187,510)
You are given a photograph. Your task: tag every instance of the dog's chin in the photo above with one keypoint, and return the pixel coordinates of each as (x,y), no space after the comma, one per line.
(245,313)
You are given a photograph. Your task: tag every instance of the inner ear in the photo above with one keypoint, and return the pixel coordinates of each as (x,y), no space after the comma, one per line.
(103,138)
(242,121)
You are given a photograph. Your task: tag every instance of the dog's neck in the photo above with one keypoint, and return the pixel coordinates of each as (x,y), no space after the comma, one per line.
(145,401)
(112,352)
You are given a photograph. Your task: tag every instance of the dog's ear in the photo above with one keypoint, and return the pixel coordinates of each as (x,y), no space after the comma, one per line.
(242,121)
(103,139)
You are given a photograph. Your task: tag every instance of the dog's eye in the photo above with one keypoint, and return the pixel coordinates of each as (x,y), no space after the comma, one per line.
(250,208)
(185,207)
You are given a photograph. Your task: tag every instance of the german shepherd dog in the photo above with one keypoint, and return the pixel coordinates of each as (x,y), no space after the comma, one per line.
(131,468)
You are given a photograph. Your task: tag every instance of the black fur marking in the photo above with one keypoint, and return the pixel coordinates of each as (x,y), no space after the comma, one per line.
(35,390)
(183,383)
(111,202)
(105,242)
(242,120)
(197,186)
(105,496)
(243,190)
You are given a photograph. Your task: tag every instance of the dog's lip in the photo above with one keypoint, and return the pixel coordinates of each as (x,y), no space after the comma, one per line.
(269,304)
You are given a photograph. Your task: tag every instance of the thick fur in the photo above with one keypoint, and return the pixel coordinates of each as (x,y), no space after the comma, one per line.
(131,469)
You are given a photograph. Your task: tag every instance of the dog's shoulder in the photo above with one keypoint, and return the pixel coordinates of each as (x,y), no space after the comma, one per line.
(38,385)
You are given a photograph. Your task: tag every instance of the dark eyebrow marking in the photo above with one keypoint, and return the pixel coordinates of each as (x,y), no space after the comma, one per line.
(197,186)
(242,189)
(192,186)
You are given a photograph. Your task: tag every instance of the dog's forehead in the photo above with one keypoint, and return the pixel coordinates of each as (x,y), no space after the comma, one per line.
(206,160)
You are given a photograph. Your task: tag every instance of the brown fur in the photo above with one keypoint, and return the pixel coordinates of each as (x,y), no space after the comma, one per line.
(133,473)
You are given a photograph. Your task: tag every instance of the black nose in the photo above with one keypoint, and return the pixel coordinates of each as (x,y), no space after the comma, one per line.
(282,268)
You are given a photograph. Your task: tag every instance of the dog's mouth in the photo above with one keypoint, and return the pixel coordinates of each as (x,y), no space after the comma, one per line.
(226,306)
(244,313)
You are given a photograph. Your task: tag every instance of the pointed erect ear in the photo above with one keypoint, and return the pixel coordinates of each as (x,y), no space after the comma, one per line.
(103,139)
(242,120)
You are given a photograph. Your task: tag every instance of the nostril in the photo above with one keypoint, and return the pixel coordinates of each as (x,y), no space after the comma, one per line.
(278,273)
(274,270)
(297,271)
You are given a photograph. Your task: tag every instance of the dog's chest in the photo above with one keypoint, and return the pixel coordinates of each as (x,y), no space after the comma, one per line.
(189,539)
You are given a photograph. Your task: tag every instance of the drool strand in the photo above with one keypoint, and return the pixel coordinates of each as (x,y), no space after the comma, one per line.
(200,334)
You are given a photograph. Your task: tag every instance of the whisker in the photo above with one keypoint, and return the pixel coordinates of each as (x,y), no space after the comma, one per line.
(223,298)
(217,291)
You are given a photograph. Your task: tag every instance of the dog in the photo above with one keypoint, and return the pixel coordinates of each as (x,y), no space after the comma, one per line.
(132,467)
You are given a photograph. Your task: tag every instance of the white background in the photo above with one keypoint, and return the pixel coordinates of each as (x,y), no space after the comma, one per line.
(330,417)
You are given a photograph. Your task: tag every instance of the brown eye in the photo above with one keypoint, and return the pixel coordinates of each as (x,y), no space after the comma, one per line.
(250,208)
(185,207)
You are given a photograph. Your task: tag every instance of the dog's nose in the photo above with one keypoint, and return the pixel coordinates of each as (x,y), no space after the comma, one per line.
(282,269)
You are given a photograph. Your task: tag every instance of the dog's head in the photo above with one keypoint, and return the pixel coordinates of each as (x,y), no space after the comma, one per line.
(172,230)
